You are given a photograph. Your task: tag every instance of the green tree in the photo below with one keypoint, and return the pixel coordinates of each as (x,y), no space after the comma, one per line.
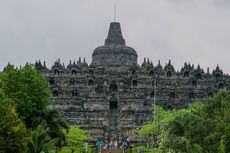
(217,114)
(12,130)
(57,127)
(199,128)
(151,131)
(39,140)
(76,138)
(184,133)
(29,90)
(177,130)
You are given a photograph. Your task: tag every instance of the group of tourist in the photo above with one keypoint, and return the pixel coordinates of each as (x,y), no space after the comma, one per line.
(112,144)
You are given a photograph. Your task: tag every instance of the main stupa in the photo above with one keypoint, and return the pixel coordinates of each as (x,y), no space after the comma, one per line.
(114,54)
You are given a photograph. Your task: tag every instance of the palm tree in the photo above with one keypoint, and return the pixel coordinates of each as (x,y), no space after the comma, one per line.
(39,140)
(56,124)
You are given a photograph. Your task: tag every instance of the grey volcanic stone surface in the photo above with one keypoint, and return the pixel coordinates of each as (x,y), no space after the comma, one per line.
(113,95)
(114,54)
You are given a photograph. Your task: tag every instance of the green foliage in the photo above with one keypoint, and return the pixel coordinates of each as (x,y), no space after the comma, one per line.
(150,131)
(29,90)
(76,138)
(200,128)
(217,114)
(39,140)
(56,126)
(12,130)
(180,133)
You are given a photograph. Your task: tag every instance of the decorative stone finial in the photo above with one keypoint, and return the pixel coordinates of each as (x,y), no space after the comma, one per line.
(84,63)
(115,36)
(79,59)
(151,63)
(148,61)
(217,67)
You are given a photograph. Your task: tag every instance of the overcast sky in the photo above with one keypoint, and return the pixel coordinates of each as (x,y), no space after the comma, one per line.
(195,31)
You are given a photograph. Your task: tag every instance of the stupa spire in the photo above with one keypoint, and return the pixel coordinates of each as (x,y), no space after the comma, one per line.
(115,13)
(115,35)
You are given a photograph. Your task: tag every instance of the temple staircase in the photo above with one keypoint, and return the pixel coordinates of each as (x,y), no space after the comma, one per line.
(117,150)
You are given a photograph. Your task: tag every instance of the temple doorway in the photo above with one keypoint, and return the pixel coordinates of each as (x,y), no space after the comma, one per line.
(113,118)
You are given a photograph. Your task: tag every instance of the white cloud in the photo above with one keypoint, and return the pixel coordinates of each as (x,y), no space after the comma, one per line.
(181,30)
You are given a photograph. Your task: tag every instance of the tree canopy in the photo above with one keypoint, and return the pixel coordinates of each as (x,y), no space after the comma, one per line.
(201,127)
(26,117)
(76,138)
(12,129)
(29,91)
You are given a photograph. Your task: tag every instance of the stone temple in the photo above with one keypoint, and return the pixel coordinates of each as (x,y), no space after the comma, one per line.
(113,96)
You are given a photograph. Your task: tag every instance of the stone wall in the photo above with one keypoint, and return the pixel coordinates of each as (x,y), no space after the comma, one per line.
(86,95)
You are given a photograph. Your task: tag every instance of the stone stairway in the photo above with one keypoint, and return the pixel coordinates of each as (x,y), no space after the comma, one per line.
(118,150)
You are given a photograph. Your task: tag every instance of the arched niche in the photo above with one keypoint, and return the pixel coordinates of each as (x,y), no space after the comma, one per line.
(55,93)
(152,94)
(145,103)
(74,72)
(134,83)
(74,93)
(217,75)
(210,94)
(91,72)
(133,72)
(194,83)
(172,95)
(71,82)
(169,73)
(113,103)
(198,76)
(52,81)
(191,95)
(220,86)
(90,82)
(113,87)
(186,74)
(151,73)
(56,72)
